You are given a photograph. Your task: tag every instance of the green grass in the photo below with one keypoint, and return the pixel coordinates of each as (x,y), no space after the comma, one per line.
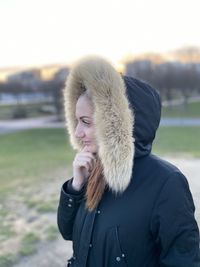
(5,232)
(43,206)
(177,141)
(26,156)
(191,110)
(7,260)
(28,161)
(31,110)
(3,212)
(51,233)
(29,244)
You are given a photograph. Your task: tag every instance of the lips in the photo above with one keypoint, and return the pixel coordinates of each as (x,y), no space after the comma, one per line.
(86,143)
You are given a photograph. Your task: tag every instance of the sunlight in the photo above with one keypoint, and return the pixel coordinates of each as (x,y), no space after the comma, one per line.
(61,31)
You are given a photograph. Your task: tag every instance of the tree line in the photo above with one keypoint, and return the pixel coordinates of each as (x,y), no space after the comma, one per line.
(29,83)
(174,79)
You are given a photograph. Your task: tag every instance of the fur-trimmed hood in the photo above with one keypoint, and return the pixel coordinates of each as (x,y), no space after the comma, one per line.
(118,103)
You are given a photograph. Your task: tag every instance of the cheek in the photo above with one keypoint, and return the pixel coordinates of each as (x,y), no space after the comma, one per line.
(91,133)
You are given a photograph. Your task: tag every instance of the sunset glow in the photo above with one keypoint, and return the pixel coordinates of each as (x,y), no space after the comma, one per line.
(60,31)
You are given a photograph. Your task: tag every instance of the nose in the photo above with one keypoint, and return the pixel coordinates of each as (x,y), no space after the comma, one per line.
(79,131)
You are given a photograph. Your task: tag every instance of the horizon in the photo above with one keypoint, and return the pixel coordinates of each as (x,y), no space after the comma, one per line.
(166,56)
(156,58)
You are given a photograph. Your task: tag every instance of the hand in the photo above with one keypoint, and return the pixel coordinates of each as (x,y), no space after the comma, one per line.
(83,165)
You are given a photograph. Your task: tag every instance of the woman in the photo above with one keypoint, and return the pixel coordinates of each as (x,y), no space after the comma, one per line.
(123,206)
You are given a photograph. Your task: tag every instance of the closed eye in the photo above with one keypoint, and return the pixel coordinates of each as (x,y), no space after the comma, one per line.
(85,122)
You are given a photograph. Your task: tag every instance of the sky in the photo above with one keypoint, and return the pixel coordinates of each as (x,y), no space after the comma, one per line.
(39,32)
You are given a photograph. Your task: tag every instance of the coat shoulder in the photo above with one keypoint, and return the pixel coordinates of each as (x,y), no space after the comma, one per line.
(167,168)
(155,170)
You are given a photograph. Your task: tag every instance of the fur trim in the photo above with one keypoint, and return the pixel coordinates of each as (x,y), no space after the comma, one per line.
(112,117)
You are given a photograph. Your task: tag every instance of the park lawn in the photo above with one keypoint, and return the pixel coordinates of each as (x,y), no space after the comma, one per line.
(30,110)
(26,156)
(191,110)
(33,165)
(177,141)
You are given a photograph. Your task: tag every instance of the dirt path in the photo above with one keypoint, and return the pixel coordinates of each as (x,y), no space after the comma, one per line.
(55,254)
(9,126)
(191,169)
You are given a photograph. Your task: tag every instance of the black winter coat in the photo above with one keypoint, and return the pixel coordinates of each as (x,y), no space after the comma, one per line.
(151,223)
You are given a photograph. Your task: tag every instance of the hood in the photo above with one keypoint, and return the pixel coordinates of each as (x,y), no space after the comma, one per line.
(124,116)
(146,103)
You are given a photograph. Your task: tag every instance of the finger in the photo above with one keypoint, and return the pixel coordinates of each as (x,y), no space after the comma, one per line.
(90,165)
(86,149)
(87,154)
(83,164)
(85,157)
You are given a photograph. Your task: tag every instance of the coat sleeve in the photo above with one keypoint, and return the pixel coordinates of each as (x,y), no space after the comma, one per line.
(173,225)
(68,206)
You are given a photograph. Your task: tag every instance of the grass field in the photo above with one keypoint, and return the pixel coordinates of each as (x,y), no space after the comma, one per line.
(33,164)
(177,141)
(30,165)
(25,156)
(7,112)
(191,110)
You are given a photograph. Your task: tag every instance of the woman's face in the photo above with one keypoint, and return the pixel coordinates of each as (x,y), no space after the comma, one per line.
(85,130)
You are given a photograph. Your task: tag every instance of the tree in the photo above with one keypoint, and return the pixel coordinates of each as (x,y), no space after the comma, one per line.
(55,87)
